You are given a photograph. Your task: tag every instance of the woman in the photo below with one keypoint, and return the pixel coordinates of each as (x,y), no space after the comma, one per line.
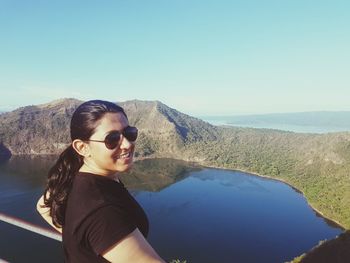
(85,199)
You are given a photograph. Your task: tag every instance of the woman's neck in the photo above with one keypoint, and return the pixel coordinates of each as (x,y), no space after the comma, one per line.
(87,169)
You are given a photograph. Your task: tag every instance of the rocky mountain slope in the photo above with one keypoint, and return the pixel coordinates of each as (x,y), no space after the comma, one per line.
(316,164)
(37,129)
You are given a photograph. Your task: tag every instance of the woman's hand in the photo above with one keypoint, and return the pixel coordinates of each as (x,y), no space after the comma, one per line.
(45,213)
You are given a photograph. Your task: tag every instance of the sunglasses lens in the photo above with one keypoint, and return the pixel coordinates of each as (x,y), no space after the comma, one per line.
(112,140)
(131,133)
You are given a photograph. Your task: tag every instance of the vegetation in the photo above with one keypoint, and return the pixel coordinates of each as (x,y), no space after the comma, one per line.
(335,251)
(316,164)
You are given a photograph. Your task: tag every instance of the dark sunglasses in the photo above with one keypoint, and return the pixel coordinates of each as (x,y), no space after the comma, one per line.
(112,140)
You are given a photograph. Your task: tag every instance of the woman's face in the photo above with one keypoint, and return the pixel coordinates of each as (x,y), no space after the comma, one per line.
(106,161)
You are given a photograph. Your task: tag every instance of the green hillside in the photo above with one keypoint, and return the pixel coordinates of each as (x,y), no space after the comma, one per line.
(316,164)
(334,251)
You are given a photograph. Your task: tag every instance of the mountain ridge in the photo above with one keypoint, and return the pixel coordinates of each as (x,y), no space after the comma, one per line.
(316,164)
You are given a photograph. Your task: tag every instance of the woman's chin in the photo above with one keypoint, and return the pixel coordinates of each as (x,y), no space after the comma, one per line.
(124,167)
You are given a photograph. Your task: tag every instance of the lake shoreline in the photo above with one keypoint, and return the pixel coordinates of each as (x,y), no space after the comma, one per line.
(171,191)
(333,221)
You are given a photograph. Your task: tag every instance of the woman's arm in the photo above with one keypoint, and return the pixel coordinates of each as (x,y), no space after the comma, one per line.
(45,213)
(133,248)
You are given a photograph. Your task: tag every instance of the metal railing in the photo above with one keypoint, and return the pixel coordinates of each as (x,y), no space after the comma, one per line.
(31,227)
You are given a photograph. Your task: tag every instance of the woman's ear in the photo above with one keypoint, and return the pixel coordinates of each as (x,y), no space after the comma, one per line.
(81,147)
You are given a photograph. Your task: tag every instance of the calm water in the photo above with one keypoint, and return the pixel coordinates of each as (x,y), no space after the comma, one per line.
(197,214)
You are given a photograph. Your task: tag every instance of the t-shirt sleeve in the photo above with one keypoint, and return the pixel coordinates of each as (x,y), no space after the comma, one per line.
(107,226)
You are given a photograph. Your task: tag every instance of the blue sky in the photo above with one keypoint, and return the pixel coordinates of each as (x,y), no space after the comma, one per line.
(199,57)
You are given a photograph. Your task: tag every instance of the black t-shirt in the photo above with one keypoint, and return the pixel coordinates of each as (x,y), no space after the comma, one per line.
(99,213)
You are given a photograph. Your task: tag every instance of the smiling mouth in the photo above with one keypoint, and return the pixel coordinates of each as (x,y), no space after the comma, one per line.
(124,155)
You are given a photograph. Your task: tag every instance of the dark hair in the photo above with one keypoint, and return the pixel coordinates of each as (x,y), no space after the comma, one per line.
(84,121)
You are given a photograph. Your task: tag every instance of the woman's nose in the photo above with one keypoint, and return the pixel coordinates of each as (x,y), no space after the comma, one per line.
(125,143)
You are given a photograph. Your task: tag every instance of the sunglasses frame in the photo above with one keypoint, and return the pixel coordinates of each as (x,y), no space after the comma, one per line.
(124,132)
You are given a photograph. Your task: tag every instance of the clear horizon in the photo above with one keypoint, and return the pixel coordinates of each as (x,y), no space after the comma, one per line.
(202,58)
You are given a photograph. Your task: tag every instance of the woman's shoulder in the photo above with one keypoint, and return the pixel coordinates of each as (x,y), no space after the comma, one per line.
(96,186)
(84,198)
(89,193)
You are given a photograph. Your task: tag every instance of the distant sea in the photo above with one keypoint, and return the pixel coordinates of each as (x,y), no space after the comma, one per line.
(283,127)
(266,123)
